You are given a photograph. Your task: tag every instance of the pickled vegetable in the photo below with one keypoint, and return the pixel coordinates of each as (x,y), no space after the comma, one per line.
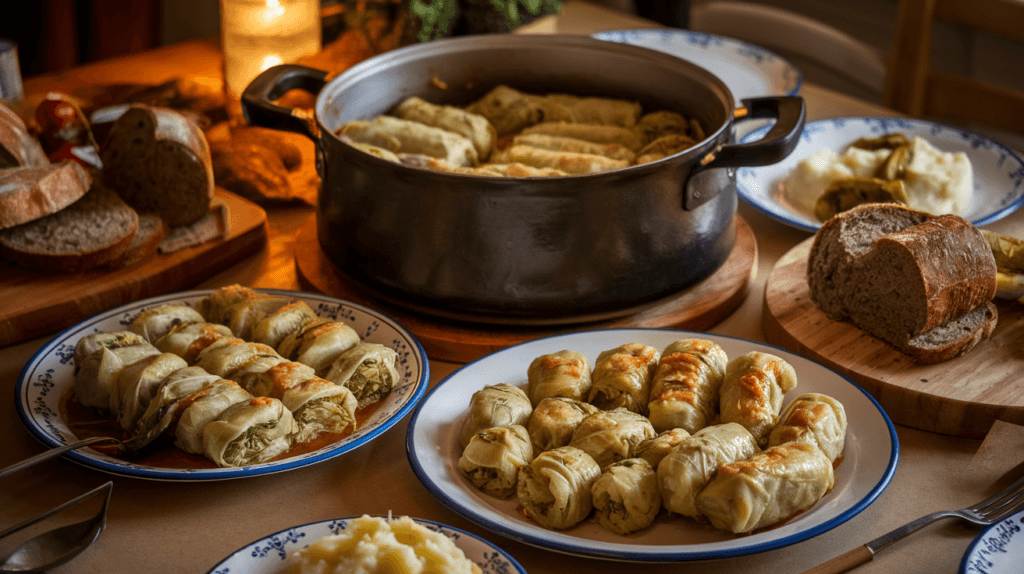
(848,193)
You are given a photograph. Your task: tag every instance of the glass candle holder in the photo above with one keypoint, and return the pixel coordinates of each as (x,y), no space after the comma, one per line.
(259,34)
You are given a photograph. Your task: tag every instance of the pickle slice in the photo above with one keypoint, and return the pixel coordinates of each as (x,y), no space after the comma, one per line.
(848,193)
(888,141)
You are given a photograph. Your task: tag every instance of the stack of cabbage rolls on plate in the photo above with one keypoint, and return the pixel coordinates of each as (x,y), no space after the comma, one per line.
(685,430)
(240,379)
(509,133)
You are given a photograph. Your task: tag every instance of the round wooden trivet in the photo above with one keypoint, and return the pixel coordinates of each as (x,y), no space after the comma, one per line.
(960,397)
(450,339)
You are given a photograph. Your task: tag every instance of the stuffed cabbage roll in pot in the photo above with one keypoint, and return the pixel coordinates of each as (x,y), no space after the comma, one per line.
(493,458)
(688,468)
(368,370)
(249,433)
(752,392)
(622,377)
(768,488)
(555,488)
(499,405)
(654,450)
(611,436)
(626,497)
(561,374)
(684,390)
(452,119)
(813,418)
(554,420)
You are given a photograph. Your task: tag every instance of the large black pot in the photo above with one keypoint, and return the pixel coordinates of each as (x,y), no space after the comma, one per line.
(513,249)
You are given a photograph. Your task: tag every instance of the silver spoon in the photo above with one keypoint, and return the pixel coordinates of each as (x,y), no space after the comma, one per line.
(47,455)
(55,547)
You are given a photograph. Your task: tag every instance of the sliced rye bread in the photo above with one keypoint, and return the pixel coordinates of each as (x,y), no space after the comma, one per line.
(145,242)
(925,288)
(158,160)
(17,146)
(90,232)
(30,192)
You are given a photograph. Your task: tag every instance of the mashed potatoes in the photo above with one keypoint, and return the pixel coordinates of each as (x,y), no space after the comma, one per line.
(934,181)
(372,545)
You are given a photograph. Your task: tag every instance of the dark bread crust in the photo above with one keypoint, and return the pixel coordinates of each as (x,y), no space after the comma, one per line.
(30,192)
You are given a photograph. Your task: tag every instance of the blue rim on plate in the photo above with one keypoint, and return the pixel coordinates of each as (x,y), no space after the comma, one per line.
(267,555)
(432,447)
(991,551)
(749,71)
(48,375)
(998,171)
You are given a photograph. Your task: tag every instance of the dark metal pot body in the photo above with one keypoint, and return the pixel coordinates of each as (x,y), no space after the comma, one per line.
(526,247)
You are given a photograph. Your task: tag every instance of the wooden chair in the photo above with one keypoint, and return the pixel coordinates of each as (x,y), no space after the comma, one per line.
(914,88)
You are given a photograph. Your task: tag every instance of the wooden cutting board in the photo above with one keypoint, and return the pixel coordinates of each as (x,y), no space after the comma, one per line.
(696,308)
(960,397)
(36,303)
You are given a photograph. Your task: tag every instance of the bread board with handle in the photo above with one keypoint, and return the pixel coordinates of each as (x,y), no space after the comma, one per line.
(960,397)
(37,303)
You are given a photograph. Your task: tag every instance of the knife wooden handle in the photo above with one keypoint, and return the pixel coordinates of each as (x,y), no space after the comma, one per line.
(843,562)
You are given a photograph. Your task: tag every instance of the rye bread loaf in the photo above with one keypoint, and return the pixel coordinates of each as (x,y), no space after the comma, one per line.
(158,160)
(30,192)
(90,232)
(922,283)
(145,242)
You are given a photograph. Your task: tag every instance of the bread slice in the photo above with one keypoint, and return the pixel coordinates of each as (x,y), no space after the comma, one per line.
(922,283)
(90,232)
(158,160)
(31,192)
(17,146)
(145,242)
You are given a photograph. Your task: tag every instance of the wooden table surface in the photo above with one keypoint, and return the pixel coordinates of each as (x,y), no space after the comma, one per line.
(189,527)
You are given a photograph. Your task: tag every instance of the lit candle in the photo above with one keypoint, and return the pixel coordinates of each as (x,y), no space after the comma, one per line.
(258,34)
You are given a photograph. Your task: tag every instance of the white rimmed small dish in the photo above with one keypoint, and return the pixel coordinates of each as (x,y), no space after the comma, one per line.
(433,447)
(48,378)
(270,555)
(998,172)
(997,550)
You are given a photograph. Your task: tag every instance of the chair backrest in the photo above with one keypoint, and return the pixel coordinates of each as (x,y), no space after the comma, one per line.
(790,33)
(914,88)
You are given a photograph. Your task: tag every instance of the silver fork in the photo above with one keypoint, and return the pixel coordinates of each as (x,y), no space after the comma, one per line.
(990,511)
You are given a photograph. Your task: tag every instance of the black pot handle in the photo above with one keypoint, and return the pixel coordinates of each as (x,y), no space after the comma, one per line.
(789,113)
(271,84)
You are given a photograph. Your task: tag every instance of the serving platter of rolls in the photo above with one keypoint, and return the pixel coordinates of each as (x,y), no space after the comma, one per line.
(225,383)
(655,445)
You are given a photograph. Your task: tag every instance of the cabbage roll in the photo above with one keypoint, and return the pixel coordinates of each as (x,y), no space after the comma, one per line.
(611,436)
(156,322)
(452,119)
(562,374)
(663,147)
(766,489)
(484,170)
(273,328)
(622,377)
(188,339)
(555,488)
(626,497)
(556,143)
(604,111)
(247,374)
(499,405)
(368,370)
(178,390)
(89,344)
(510,110)
(243,317)
(249,433)
(655,125)
(226,355)
(138,384)
(684,390)
(688,467)
(214,307)
(373,150)
(403,136)
(320,406)
(318,343)
(188,433)
(277,379)
(624,137)
(653,450)
(813,418)
(554,420)
(568,162)
(493,458)
(752,392)
(97,374)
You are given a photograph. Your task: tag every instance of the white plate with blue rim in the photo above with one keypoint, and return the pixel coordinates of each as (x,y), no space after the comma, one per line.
(748,70)
(433,447)
(998,550)
(46,384)
(998,171)
(272,554)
